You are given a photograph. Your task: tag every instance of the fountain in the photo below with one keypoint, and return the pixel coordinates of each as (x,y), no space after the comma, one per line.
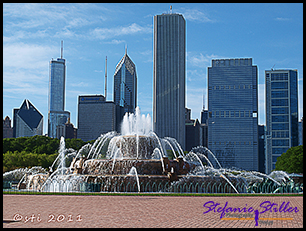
(136,160)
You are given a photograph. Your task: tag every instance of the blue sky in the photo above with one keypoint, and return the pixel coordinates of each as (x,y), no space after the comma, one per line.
(271,34)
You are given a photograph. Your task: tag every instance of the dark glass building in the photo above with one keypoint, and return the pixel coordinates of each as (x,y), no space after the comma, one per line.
(97,116)
(281,114)
(232,108)
(125,84)
(27,120)
(7,129)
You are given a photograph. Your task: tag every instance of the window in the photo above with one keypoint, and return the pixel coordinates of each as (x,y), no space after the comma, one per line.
(279,76)
(279,94)
(279,85)
(279,150)
(280,142)
(280,118)
(280,126)
(280,110)
(279,102)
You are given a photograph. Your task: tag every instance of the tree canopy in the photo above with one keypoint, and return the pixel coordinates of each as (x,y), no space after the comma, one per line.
(291,161)
(34,151)
(39,144)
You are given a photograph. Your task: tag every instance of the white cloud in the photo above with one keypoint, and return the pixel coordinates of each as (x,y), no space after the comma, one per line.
(116,41)
(196,15)
(80,84)
(25,69)
(282,19)
(104,33)
(199,60)
(27,56)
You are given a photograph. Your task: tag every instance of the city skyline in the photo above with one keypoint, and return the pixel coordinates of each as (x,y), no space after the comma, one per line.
(270,34)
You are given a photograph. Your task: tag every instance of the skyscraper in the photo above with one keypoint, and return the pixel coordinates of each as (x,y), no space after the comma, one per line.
(232,106)
(169,76)
(125,84)
(57,117)
(96,116)
(7,129)
(281,114)
(27,120)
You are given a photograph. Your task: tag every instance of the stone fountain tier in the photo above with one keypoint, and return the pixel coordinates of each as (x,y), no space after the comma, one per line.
(143,166)
(33,182)
(159,183)
(134,146)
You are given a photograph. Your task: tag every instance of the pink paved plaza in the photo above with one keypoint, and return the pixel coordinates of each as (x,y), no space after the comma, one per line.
(51,211)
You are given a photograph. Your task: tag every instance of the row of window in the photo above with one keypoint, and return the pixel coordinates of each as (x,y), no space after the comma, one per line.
(280,126)
(278,76)
(233,143)
(279,94)
(278,142)
(279,150)
(280,110)
(230,87)
(279,102)
(227,114)
(280,118)
(280,134)
(279,85)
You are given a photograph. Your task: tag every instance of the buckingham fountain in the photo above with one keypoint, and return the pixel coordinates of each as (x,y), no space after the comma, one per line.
(137,160)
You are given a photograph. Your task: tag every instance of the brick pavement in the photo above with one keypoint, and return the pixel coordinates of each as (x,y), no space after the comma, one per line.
(141,211)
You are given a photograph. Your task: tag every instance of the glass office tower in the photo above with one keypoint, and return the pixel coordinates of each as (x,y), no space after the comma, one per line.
(232,108)
(57,117)
(125,84)
(281,114)
(27,120)
(169,76)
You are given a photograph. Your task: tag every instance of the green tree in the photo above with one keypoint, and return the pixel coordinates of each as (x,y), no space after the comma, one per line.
(13,160)
(291,161)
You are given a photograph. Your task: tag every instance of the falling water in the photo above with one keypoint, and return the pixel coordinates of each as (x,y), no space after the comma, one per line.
(210,152)
(156,150)
(206,159)
(133,172)
(223,176)
(62,154)
(171,147)
(253,172)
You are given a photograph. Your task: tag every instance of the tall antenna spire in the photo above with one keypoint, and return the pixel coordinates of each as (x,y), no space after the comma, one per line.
(61,49)
(105,77)
(126,49)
